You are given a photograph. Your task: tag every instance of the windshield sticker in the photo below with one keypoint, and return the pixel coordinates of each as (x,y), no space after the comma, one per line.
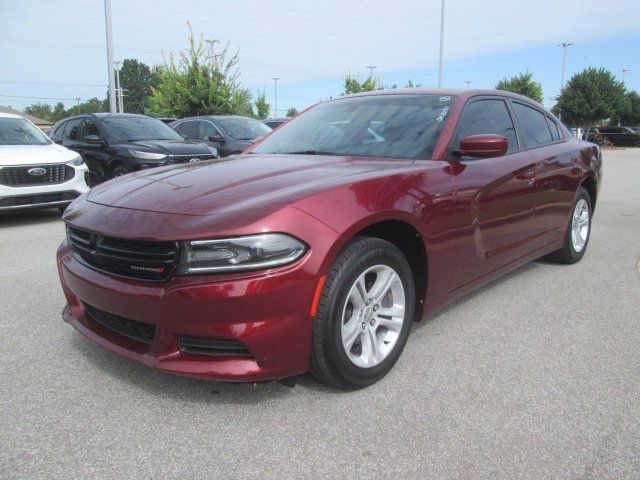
(443,114)
(445,99)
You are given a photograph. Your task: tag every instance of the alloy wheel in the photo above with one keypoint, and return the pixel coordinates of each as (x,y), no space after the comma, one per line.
(373,315)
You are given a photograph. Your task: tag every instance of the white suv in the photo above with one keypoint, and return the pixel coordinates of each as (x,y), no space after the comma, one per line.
(34,171)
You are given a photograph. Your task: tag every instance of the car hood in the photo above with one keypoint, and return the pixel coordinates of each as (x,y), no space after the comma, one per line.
(169,147)
(34,154)
(246,181)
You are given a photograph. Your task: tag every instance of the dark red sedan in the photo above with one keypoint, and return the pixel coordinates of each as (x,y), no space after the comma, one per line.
(317,248)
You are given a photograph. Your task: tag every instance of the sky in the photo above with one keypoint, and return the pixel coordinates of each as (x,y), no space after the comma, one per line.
(56,50)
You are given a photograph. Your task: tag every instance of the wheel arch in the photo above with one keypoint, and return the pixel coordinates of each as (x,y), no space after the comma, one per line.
(401,230)
(589,184)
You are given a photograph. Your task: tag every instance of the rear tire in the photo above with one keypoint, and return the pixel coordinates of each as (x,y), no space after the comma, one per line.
(364,315)
(578,231)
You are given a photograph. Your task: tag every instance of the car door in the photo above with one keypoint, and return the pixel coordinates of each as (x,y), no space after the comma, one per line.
(554,159)
(495,197)
(188,129)
(95,155)
(211,135)
(71,134)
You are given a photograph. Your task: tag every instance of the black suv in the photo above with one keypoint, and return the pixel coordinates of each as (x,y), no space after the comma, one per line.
(227,133)
(617,136)
(114,144)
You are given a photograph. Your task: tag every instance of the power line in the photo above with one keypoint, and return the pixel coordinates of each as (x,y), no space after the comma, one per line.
(55,83)
(38,98)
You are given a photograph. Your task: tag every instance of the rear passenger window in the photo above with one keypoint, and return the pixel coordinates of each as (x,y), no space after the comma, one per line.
(188,129)
(72,132)
(555,131)
(488,116)
(533,126)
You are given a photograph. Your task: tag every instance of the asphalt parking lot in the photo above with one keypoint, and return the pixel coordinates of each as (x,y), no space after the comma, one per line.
(536,375)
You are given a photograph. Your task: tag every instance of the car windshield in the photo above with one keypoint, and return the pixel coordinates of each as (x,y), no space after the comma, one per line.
(243,128)
(132,129)
(384,126)
(17,131)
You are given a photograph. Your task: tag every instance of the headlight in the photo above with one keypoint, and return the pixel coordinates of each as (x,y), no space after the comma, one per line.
(237,254)
(147,155)
(76,162)
(214,151)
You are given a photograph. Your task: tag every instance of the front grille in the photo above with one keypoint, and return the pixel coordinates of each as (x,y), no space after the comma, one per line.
(187,158)
(212,346)
(40,198)
(150,261)
(139,331)
(20,176)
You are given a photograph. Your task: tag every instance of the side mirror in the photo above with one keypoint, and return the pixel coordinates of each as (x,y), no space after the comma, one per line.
(483,146)
(215,138)
(93,139)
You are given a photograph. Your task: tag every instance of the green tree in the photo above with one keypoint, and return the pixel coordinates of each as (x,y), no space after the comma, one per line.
(292,111)
(522,84)
(591,96)
(59,112)
(262,107)
(630,111)
(93,105)
(353,85)
(409,84)
(40,110)
(135,77)
(199,82)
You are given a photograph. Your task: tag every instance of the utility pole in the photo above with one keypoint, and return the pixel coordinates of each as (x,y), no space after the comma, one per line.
(107,24)
(441,62)
(275,95)
(371,68)
(468,82)
(564,62)
(118,86)
(624,73)
(78,100)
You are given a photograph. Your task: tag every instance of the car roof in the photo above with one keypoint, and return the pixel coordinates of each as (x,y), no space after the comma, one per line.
(214,117)
(9,115)
(462,93)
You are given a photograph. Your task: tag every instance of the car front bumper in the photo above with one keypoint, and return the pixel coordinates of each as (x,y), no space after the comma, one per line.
(267,313)
(46,195)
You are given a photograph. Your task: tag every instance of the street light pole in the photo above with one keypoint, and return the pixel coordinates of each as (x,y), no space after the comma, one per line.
(275,95)
(564,62)
(107,24)
(371,68)
(441,62)
(624,73)
(119,86)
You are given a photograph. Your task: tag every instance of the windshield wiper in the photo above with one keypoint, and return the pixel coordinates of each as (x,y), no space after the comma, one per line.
(307,152)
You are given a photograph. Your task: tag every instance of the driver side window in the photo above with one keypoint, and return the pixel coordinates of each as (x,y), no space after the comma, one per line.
(487,116)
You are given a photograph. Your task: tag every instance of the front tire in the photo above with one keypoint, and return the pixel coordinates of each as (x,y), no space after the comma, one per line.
(364,314)
(578,232)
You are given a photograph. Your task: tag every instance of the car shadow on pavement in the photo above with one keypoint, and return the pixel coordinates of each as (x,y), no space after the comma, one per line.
(471,296)
(28,217)
(180,388)
(204,391)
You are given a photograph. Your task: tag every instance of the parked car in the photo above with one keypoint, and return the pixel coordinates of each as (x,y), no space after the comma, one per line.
(230,135)
(116,144)
(35,172)
(616,136)
(275,122)
(317,248)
